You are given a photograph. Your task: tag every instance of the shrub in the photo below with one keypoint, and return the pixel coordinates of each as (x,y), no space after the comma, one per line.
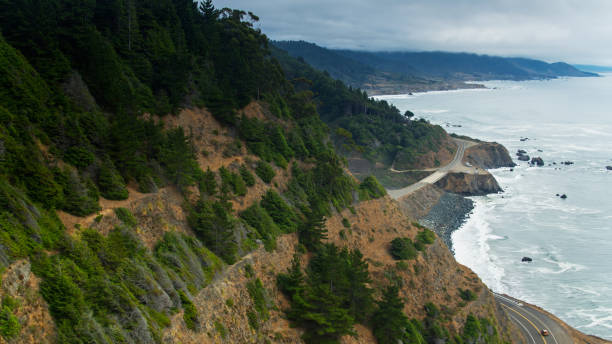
(247,176)
(126,217)
(79,157)
(467,294)
(110,182)
(265,171)
(282,214)
(258,296)
(9,324)
(258,218)
(403,248)
(208,183)
(252,318)
(346,223)
(425,237)
(233,181)
(221,329)
(370,188)
(190,313)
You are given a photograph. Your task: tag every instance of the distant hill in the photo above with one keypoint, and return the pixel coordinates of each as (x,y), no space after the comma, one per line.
(337,65)
(396,72)
(463,66)
(363,72)
(594,68)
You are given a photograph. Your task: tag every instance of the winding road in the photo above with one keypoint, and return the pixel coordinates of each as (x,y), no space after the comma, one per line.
(455,166)
(530,321)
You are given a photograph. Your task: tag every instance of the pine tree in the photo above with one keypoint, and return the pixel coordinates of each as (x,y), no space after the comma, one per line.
(208,183)
(214,225)
(359,296)
(323,316)
(389,321)
(312,231)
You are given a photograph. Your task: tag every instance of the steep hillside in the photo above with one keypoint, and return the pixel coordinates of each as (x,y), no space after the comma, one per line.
(165,179)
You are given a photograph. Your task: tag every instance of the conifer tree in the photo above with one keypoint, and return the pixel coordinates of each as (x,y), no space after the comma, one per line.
(389,320)
(312,231)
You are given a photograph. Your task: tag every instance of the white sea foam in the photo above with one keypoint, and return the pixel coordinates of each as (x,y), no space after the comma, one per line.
(471,247)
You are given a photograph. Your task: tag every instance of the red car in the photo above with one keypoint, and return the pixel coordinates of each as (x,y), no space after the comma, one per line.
(545,332)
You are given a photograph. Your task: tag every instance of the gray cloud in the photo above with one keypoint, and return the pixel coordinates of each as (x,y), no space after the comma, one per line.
(553,30)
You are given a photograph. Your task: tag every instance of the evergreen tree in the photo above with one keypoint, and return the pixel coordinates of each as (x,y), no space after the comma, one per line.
(389,321)
(312,231)
(214,225)
(208,183)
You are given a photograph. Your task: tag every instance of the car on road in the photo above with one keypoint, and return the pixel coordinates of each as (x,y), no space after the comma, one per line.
(545,332)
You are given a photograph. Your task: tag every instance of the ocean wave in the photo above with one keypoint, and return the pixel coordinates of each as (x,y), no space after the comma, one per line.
(471,247)
(595,317)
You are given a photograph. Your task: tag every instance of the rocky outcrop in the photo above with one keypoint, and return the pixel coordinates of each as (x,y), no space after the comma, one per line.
(489,155)
(537,161)
(467,184)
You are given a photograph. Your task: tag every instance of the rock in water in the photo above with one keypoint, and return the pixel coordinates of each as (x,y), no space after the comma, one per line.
(564,196)
(526,259)
(523,157)
(537,161)
(609,168)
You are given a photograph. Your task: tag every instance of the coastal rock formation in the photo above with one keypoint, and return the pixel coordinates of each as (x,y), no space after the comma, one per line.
(537,161)
(469,184)
(489,155)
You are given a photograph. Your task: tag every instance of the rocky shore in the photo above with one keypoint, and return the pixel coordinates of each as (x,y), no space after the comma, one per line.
(447,215)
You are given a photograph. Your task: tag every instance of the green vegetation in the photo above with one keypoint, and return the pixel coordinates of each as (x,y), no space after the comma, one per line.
(467,294)
(331,297)
(190,314)
(370,188)
(390,325)
(265,171)
(258,296)
(403,248)
(258,218)
(232,181)
(126,217)
(247,176)
(9,324)
(282,214)
(361,124)
(214,224)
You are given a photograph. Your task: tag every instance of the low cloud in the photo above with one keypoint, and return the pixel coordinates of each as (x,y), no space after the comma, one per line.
(568,30)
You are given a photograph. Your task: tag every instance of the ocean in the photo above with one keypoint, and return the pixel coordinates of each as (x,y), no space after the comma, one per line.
(569,240)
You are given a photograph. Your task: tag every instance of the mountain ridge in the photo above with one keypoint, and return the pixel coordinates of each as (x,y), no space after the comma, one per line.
(422,71)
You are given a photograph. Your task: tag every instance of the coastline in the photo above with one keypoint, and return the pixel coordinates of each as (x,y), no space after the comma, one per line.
(448,215)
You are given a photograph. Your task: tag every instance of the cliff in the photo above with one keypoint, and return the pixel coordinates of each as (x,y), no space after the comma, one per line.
(467,184)
(489,155)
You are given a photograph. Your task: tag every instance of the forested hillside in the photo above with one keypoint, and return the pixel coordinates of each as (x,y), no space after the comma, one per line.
(105,105)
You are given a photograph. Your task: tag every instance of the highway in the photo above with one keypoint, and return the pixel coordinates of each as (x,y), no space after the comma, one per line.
(454,165)
(530,321)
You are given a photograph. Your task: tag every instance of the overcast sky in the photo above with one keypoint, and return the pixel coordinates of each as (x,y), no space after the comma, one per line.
(575,31)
